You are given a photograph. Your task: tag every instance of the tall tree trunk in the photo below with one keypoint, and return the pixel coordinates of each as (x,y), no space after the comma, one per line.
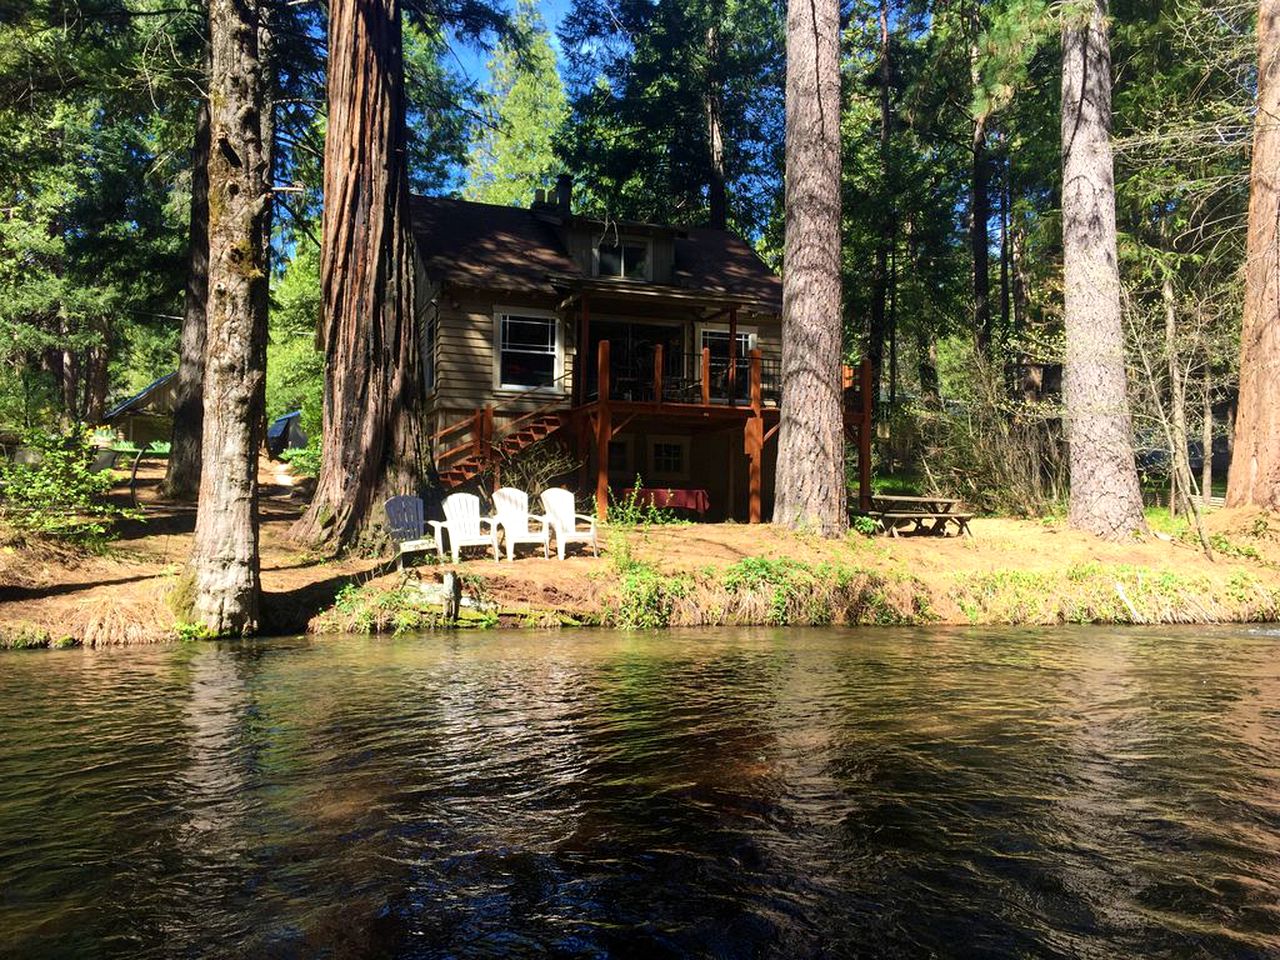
(373,392)
(979,242)
(1254,477)
(182,475)
(1206,439)
(1105,496)
(880,280)
(717,201)
(810,487)
(893,320)
(70,380)
(1006,253)
(927,367)
(979,192)
(1180,458)
(225,552)
(95,398)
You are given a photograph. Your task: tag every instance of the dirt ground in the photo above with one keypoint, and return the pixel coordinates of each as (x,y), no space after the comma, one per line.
(121,597)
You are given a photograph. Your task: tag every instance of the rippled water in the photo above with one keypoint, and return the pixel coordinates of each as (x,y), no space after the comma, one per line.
(1070,793)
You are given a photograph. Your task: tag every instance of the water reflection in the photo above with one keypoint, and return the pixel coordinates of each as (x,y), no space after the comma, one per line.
(752,793)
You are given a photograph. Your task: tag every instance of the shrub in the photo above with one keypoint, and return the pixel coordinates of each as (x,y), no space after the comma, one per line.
(633,511)
(305,461)
(536,467)
(59,496)
(1001,455)
(646,596)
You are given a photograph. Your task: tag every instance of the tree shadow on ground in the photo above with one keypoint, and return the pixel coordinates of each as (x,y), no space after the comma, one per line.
(290,611)
(13,594)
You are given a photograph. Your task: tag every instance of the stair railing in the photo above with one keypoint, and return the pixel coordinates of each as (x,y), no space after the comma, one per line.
(524,420)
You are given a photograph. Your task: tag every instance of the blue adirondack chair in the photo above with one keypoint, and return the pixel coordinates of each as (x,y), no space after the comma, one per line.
(407,523)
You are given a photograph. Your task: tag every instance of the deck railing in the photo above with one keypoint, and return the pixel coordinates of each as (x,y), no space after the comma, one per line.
(689,378)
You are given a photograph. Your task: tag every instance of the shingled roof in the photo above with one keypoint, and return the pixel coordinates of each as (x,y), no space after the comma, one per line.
(513,249)
(486,245)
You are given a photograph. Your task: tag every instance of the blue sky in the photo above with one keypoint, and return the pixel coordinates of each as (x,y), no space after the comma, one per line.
(473,62)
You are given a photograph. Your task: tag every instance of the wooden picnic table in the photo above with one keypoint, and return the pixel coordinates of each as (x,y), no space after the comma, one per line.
(929,515)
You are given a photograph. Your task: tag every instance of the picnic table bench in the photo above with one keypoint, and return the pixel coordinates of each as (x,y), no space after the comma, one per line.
(926,515)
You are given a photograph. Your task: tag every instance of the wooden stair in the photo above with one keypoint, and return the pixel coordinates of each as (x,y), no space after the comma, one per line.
(525,433)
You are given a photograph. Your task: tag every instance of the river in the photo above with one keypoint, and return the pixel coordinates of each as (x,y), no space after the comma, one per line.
(1075,792)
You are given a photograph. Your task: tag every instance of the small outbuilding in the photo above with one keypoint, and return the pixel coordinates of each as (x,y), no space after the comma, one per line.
(147,416)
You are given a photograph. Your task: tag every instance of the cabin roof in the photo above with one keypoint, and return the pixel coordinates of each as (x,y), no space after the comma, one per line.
(146,397)
(514,249)
(487,245)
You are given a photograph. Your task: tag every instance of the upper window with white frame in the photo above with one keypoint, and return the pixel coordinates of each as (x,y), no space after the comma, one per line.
(528,351)
(627,258)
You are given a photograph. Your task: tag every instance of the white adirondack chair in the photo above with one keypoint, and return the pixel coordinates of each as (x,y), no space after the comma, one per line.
(464,525)
(513,516)
(564,520)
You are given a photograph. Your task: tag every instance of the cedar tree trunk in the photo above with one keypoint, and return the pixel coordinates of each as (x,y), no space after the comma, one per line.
(373,391)
(810,488)
(225,553)
(1254,477)
(182,476)
(1105,497)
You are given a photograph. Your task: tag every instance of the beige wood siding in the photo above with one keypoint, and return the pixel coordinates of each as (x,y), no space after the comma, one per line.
(466,356)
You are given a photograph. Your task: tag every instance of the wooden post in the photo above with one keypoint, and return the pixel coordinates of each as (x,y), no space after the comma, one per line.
(864,436)
(582,357)
(733,356)
(754,442)
(657,373)
(604,431)
(477,433)
(846,377)
(706,376)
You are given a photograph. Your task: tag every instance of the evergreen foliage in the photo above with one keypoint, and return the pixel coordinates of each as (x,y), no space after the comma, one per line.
(514,156)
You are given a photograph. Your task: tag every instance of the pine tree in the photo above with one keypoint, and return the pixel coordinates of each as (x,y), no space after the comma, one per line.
(515,156)
(810,485)
(1105,496)
(224,557)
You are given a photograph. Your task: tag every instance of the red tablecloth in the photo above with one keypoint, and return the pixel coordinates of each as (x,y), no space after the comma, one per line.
(695,499)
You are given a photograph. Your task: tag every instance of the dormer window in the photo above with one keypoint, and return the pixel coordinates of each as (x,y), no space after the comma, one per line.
(627,258)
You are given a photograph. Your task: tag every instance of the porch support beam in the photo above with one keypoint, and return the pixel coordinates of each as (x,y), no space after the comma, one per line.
(618,428)
(706,376)
(733,356)
(754,443)
(582,356)
(604,433)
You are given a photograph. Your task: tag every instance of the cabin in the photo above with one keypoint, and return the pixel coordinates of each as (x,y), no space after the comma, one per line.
(647,349)
(147,416)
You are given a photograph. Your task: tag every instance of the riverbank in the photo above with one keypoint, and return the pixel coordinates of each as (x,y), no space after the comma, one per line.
(1010,572)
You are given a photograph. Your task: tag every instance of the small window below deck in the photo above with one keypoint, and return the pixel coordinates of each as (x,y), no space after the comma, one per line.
(668,458)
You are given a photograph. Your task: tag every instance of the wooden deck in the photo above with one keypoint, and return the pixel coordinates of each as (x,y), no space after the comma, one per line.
(599,415)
